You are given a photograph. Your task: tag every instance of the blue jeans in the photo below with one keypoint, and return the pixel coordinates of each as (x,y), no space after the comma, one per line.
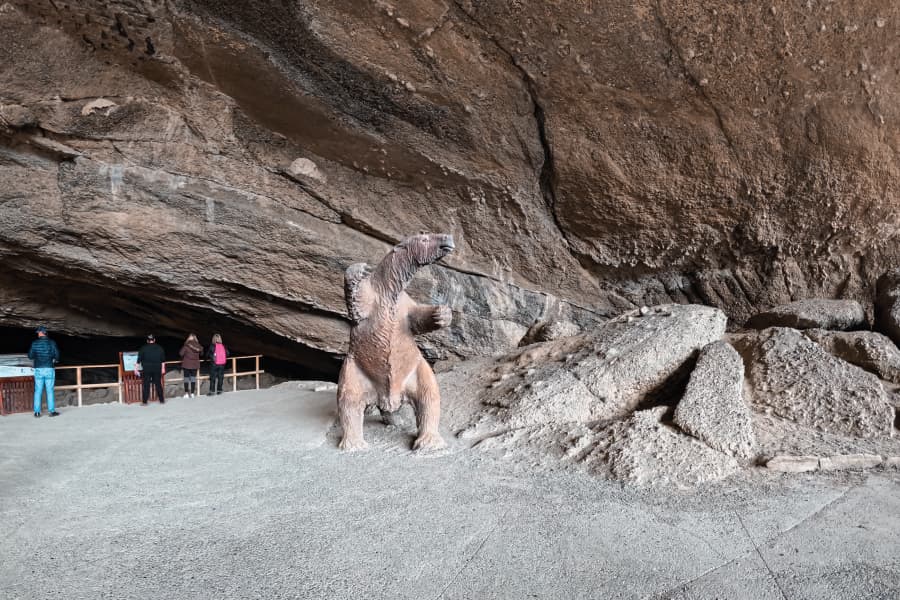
(44,378)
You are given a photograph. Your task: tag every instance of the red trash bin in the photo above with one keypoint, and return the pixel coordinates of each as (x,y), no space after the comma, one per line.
(16,395)
(132,385)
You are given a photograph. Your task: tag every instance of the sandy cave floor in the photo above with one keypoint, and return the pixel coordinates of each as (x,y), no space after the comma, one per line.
(246,496)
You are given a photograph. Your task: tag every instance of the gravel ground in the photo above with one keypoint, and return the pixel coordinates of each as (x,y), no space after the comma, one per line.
(244,495)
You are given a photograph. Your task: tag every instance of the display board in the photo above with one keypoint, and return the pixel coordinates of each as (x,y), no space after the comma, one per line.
(16,371)
(129,360)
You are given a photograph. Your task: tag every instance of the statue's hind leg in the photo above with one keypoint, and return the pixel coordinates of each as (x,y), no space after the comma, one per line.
(351,401)
(428,408)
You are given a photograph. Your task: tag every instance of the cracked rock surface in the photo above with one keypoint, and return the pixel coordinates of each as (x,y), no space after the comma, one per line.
(604,374)
(794,378)
(712,408)
(642,450)
(868,350)
(216,164)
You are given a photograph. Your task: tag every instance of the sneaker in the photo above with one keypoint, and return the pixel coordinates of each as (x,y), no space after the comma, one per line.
(37,415)
(219,392)
(162,400)
(143,403)
(211,394)
(53,413)
(187,395)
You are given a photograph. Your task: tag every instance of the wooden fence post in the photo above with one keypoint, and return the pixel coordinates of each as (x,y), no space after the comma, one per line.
(78,383)
(257,371)
(233,374)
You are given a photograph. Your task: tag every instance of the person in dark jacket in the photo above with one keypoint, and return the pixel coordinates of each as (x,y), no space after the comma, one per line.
(45,355)
(218,355)
(151,357)
(190,362)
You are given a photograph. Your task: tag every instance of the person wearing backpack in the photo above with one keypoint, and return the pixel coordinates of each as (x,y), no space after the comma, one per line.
(218,355)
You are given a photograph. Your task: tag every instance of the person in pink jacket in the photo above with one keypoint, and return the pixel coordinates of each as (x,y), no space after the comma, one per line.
(218,355)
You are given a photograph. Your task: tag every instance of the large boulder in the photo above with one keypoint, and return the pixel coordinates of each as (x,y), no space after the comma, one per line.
(605,374)
(793,377)
(813,313)
(869,350)
(713,408)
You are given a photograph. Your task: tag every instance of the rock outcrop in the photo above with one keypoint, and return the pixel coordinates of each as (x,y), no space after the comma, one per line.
(605,374)
(216,165)
(816,313)
(799,408)
(868,350)
(794,378)
(712,408)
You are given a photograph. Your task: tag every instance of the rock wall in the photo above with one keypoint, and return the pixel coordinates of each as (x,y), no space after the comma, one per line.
(188,164)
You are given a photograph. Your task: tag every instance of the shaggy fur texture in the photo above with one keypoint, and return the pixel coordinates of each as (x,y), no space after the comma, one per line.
(383,365)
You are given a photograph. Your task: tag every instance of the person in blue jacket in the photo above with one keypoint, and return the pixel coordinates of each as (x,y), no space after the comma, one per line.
(45,355)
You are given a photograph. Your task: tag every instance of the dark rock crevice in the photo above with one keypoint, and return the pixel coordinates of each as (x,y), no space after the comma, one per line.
(546,176)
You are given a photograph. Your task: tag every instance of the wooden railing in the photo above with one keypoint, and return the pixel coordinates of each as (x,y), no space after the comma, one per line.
(79,386)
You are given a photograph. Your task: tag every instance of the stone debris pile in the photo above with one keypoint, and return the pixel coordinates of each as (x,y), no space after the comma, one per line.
(662,395)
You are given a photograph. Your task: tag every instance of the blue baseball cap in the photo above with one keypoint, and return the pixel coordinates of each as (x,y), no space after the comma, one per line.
(41,329)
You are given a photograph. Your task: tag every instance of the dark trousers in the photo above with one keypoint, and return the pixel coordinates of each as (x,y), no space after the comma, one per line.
(190,380)
(216,378)
(154,378)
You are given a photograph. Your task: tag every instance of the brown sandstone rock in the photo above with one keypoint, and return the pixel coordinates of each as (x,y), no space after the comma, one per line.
(608,157)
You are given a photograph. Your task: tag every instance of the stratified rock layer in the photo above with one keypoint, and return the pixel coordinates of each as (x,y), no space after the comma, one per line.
(713,408)
(794,378)
(815,313)
(200,164)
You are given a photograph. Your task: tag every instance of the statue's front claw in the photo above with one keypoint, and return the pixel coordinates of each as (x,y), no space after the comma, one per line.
(351,444)
(429,441)
(443,316)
